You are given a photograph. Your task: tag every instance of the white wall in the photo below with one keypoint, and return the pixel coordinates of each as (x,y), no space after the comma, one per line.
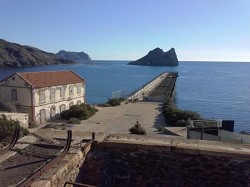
(47,104)
(21,117)
(225,135)
(22,88)
(58,98)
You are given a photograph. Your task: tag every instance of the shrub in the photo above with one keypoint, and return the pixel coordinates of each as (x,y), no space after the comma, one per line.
(81,112)
(174,116)
(115,101)
(7,130)
(74,121)
(137,129)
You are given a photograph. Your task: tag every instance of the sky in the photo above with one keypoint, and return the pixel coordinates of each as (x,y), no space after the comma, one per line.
(199,30)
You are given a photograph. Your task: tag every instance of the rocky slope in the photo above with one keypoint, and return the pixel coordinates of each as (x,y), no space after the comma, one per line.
(158,57)
(15,55)
(80,57)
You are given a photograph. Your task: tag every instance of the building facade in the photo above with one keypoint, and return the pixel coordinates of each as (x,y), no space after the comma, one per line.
(43,95)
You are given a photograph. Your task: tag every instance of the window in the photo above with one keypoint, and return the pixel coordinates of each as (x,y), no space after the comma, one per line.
(71,90)
(42,95)
(52,94)
(42,115)
(52,111)
(62,108)
(14,94)
(79,102)
(62,91)
(79,89)
(71,104)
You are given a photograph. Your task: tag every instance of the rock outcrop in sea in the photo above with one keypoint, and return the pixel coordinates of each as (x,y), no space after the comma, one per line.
(80,57)
(158,57)
(15,55)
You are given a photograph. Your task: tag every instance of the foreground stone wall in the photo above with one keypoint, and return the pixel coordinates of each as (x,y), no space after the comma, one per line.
(65,170)
(143,161)
(150,165)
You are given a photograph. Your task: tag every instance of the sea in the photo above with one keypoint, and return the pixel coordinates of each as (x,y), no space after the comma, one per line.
(216,90)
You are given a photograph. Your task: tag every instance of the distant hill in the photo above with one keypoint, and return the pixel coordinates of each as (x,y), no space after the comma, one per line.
(158,57)
(75,56)
(15,55)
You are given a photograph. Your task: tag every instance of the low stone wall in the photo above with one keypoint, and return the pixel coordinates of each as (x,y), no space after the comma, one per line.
(23,118)
(127,164)
(143,161)
(65,170)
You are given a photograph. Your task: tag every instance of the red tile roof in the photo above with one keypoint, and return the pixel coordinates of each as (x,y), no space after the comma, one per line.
(51,78)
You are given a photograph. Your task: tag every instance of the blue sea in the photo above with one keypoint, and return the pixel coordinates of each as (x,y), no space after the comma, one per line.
(218,90)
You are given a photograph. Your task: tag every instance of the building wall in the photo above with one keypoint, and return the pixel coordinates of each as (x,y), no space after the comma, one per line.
(23,91)
(28,100)
(50,107)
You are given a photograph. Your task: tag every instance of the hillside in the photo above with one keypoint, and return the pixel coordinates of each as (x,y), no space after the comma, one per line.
(15,55)
(80,57)
(158,57)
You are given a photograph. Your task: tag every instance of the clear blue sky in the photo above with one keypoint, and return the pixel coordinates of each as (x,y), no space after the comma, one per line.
(211,30)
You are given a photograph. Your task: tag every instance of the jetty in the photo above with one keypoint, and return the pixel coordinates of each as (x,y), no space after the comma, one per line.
(159,89)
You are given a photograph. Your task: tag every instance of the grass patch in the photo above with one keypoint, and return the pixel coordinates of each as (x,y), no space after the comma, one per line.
(74,121)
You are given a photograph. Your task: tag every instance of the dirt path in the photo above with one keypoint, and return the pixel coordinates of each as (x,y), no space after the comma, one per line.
(119,119)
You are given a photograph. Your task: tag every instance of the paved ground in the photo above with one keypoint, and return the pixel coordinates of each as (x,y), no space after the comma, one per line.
(119,119)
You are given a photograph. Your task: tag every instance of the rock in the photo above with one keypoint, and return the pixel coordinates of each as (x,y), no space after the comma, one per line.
(15,55)
(80,57)
(158,57)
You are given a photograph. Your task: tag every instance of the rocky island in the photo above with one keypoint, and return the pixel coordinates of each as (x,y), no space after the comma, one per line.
(158,57)
(80,57)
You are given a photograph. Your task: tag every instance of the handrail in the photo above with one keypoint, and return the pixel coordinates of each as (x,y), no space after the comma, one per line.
(12,144)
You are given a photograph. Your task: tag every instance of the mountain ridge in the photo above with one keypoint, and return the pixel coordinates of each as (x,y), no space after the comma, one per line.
(16,55)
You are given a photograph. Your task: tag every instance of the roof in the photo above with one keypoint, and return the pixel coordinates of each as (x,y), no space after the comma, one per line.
(50,78)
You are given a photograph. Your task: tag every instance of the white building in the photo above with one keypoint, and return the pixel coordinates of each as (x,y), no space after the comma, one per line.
(43,95)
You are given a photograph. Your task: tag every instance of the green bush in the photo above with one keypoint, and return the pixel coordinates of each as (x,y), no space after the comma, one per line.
(115,101)
(174,116)
(137,129)
(74,121)
(7,130)
(81,112)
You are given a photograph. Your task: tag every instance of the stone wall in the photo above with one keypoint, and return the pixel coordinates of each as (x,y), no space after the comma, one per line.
(114,164)
(136,161)
(65,170)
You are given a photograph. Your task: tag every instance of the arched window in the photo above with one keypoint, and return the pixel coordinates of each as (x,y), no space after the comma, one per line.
(62,107)
(79,102)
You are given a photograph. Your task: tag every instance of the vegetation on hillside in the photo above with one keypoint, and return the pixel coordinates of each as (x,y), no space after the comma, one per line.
(80,112)
(175,117)
(7,130)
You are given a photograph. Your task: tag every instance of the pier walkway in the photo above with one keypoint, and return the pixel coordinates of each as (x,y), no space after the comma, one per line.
(159,89)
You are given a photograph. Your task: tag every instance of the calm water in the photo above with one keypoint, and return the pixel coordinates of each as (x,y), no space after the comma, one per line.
(214,89)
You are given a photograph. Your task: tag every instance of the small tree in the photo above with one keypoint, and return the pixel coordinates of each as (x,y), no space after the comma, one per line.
(137,129)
